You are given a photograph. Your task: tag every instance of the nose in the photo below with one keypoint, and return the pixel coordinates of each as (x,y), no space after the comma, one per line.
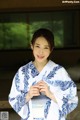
(41,51)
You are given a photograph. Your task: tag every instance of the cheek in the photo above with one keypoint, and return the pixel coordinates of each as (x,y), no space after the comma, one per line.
(48,53)
(34,51)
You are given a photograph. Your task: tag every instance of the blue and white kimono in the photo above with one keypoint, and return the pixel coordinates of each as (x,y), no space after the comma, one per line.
(60,84)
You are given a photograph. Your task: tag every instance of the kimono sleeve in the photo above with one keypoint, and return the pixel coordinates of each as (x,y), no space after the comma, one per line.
(66,94)
(17,95)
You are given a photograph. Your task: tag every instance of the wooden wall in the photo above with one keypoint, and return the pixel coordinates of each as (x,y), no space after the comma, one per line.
(30,5)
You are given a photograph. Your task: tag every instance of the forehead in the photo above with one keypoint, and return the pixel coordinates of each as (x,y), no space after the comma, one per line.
(41,41)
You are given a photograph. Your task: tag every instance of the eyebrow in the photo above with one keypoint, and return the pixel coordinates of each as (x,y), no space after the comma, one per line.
(44,45)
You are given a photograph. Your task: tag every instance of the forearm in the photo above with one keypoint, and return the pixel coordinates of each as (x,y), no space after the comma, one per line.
(28,97)
(52,97)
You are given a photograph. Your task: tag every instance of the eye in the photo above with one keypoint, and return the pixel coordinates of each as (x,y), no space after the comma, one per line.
(46,48)
(37,46)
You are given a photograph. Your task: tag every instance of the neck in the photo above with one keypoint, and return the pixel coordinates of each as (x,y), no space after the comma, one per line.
(40,65)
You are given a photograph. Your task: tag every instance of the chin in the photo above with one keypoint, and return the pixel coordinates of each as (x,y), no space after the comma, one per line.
(41,60)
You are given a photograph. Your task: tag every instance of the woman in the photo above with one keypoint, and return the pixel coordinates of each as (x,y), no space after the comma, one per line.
(42,89)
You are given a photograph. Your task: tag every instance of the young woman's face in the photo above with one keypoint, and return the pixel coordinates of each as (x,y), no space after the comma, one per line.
(41,49)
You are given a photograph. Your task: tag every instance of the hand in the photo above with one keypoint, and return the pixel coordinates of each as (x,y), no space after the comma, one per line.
(44,88)
(34,91)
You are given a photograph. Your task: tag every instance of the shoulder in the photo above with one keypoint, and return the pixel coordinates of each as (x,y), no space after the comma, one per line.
(60,69)
(56,65)
(25,67)
(63,74)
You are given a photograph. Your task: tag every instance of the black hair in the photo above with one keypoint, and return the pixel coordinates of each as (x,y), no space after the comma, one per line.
(47,34)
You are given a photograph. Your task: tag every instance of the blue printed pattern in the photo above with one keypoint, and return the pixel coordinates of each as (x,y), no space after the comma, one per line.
(64,85)
(52,74)
(66,108)
(17,81)
(21,99)
(20,102)
(47,106)
(28,71)
(34,71)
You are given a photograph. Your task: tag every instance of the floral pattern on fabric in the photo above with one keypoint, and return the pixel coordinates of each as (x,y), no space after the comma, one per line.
(66,95)
(47,106)
(52,74)
(64,85)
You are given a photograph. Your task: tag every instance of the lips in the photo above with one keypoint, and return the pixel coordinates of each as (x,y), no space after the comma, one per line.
(40,57)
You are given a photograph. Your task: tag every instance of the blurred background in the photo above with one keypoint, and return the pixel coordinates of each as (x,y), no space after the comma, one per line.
(18,21)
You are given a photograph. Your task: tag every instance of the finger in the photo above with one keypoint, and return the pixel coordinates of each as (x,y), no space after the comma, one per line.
(42,90)
(36,86)
(41,82)
(42,86)
(35,92)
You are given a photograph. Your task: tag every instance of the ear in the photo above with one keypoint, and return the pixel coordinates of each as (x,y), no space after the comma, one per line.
(31,46)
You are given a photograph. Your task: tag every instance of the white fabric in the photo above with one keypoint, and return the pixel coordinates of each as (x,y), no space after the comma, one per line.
(60,83)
